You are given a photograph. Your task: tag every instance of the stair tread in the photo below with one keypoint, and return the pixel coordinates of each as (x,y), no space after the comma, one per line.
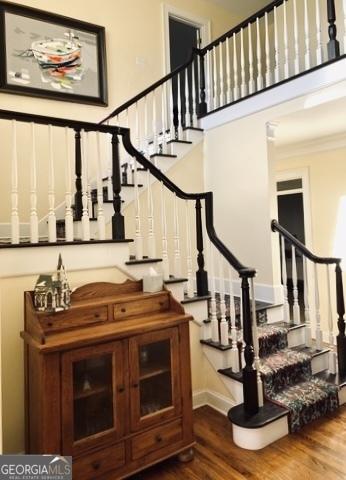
(313,352)
(267,414)
(196,298)
(233,375)
(196,129)
(142,261)
(59,242)
(184,142)
(333,378)
(173,280)
(216,345)
(164,155)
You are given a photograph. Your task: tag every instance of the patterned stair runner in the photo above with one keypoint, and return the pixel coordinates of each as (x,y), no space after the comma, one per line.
(288,381)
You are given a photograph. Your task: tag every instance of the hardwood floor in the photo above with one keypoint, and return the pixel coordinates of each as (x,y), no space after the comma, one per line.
(318,452)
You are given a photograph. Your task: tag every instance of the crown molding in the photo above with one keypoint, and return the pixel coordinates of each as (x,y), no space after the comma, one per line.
(308,147)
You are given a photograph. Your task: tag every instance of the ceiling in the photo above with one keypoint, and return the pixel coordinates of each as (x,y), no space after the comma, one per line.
(242,8)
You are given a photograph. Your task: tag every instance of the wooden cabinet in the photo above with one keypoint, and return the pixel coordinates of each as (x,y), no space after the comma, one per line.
(109,381)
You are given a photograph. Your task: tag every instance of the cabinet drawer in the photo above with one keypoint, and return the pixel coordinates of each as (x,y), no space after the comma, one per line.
(99,463)
(156,438)
(149,305)
(73,318)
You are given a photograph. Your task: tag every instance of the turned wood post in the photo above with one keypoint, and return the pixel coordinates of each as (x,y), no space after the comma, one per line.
(333,44)
(78,204)
(201,274)
(118,226)
(249,372)
(202,107)
(340,339)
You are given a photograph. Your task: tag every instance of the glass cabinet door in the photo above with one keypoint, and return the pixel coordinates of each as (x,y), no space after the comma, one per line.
(155,383)
(92,395)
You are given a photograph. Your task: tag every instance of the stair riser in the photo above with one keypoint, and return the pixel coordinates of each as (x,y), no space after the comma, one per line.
(218,359)
(320,363)
(177,290)
(296,337)
(235,388)
(193,136)
(139,270)
(258,438)
(275,314)
(342,395)
(179,149)
(199,310)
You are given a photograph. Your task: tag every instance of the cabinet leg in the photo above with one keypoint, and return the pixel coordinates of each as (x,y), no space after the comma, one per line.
(186,456)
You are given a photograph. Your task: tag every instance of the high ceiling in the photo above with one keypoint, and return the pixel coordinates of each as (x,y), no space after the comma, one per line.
(242,8)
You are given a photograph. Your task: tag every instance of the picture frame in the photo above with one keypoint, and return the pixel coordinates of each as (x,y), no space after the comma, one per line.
(51,56)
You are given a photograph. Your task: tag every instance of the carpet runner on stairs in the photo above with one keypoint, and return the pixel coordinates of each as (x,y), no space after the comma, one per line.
(288,380)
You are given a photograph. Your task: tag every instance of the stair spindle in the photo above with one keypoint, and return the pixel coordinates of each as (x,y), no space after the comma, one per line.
(180,111)
(296,309)
(228,73)
(190,286)
(234,332)
(284,280)
(216,98)
(307,320)
(138,229)
(154,124)
(252,86)
(51,190)
(267,52)
(78,174)
(201,274)
(276,47)
(286,48)
(85,213)
(319,48)
(340,339)
(222,83)
(33,189)
(164,116)
(68,195)
(224,328)
(243,87)
(165,259)
(187,99)
(151,230)
(260,83)
(307,36)
(296,39)
(109,171)
(177,255)
(194,121)
(146,148)
(235,70)
(215,337)
(256,344)
(332,354)
(333,44)
(15,231)
(318,312)
(101,223)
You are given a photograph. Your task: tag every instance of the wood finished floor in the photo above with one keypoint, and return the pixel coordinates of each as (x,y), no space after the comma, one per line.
(318,452)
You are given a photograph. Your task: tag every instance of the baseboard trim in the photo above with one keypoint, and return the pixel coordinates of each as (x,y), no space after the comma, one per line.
(217,401)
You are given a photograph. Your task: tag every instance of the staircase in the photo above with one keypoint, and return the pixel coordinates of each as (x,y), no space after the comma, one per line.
(282,370)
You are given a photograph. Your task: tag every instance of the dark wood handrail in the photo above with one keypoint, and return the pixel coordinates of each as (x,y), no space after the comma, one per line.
(276,227)
(206,196)
(152,87)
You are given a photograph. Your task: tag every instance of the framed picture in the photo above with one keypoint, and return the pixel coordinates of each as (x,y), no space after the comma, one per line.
(51,56)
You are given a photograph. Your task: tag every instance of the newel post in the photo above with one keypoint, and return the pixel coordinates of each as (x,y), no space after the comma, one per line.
(202,106)
(340,339)
(333,44)
(201,274)
(249,372)
(118,226)
(78,204)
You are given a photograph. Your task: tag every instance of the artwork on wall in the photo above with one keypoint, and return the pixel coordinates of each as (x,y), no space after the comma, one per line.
(51,56)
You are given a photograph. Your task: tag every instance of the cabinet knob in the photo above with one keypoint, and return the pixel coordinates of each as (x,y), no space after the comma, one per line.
(121,389)
(135,385)
(158,438)
(96,465)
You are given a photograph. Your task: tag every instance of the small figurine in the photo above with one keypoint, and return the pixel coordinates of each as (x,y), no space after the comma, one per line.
(53,294)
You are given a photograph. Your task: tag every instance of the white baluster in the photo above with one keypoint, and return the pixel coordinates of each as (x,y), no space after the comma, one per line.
(68,194)
(234,333)
(296,309)
(151,231)
(85,213)
(171,110)
(216,101)
(164,115)
(252,85)
(319,48)
(101,224)
(222,86)
(51,190)
(224,334)
(14,187)
(177,257)
(286,64)
(194,98)
(267,50)
(241,332)
(332,354)
(33,189)
(308,336)
(213,313)
(307,36)
(228,73)
(284,281)
(243,88)
(180,110)
(190,288)
(146,148)
(260,83)
(235,70)
(154,125)
(276,47)
(109,171)
(138,229)
(256,344)
(296,38)
(165,259)
(318,312)
(187,99)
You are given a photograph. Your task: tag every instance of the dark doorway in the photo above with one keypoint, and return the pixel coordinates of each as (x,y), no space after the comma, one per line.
(291,214)
(183,38)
